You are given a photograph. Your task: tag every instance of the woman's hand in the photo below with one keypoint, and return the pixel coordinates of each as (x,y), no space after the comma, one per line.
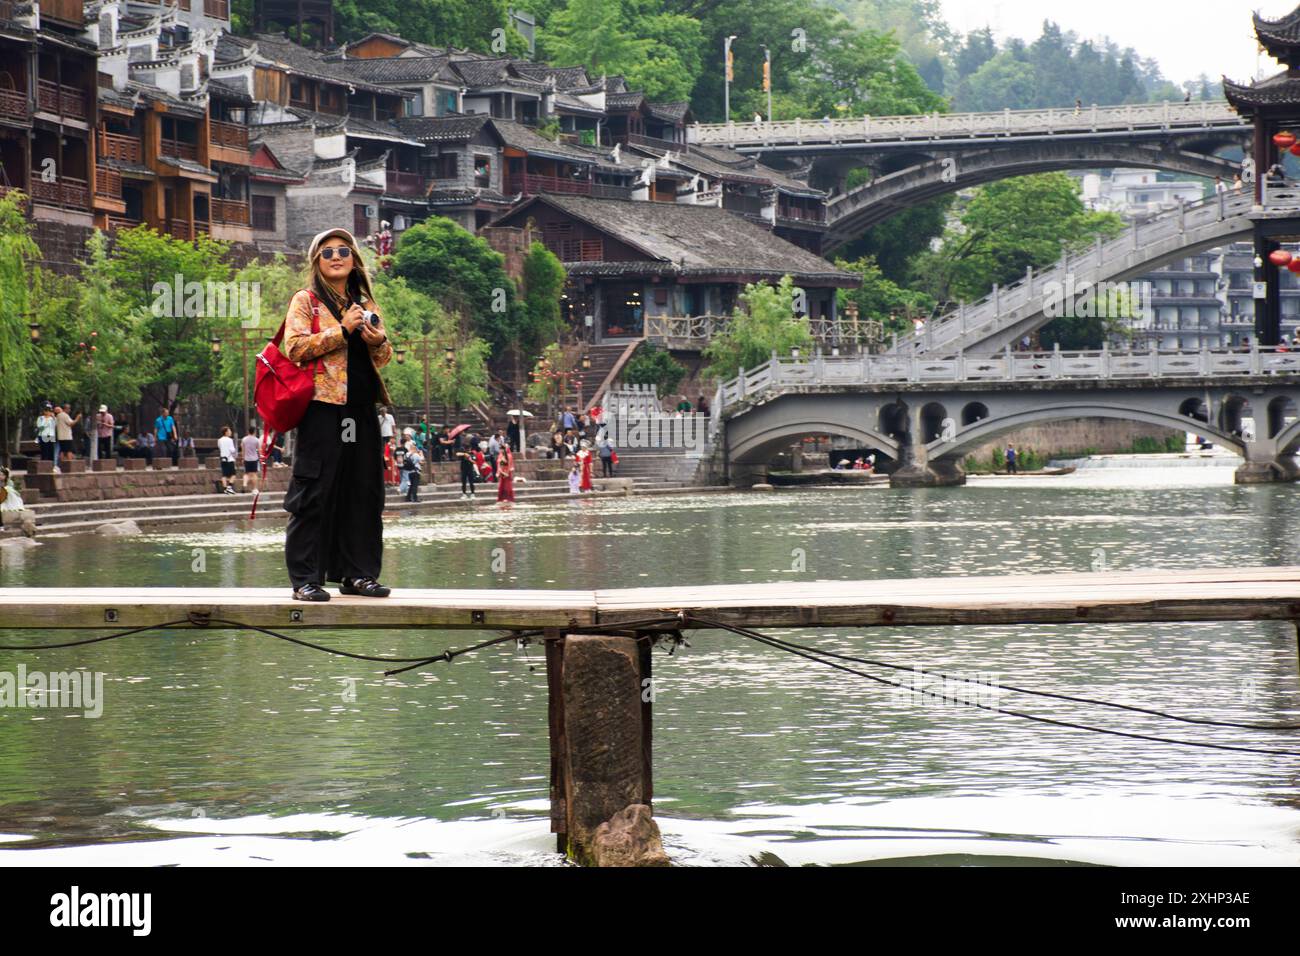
(374,334)
(353,318)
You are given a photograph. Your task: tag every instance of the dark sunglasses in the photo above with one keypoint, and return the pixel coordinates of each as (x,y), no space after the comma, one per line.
(328,252)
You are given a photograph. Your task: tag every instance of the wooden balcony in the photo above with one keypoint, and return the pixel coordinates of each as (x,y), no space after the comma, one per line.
(66,191)
(121,222)
(402,183)
(64,100)
(13,104)
(578,250)
(178,149)
(69,11)
(817,215)
(126,149)
(232,212)
(180,229)
(217,9)
(228,135)
(530,185)
(108,183)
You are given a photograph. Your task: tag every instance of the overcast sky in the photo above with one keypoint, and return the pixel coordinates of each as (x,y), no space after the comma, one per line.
(1186,37)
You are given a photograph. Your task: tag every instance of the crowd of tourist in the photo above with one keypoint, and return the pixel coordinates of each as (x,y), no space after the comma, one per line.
(485,455)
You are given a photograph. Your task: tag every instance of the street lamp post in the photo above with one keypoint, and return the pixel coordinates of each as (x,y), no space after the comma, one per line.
(423,349)
(244,338)
(727,77)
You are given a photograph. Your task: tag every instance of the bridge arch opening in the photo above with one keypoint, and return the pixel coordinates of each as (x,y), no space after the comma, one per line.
(933,417)
(1196,409)
(1232,415)
(1282,413)
(892,420)
(973,412)
(968,439)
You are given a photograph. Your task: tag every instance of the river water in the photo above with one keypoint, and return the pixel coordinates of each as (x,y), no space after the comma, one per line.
(215,748)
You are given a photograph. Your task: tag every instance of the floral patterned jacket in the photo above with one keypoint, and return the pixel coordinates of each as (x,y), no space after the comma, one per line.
(301,347)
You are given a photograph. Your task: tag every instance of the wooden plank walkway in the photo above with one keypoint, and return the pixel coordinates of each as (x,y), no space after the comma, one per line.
(1242,594)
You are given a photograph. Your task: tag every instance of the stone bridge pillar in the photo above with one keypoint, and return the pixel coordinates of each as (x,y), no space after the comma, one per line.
(1264,465)
(915,467)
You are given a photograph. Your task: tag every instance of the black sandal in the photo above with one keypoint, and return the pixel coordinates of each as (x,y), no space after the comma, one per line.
(311,592)
(365,587)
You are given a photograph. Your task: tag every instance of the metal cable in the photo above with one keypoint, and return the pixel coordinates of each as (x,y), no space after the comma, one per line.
(763,639)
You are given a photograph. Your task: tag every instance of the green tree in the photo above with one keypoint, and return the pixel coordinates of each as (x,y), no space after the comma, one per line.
(1010,226)
(144,269)
(113,357)
(896,243)
(881,300)
(18,256)
(544,278)
(274,283)
(763,322)
(465,275)
(654,365)
(659,53)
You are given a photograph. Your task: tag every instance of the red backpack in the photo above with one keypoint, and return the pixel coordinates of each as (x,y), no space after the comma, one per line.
(282,391)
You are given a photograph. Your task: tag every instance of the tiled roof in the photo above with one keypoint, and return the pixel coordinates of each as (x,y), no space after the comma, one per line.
(439,129)
(696,240)
(460,197)
(672,112)
(533,143)
(229,91)
(623,101)
(185,164)
(564,101)
(396,69)
(174,104)
(1280,90)
(566,77)
(356,126)
(230,48)
(279,50)
(481,74)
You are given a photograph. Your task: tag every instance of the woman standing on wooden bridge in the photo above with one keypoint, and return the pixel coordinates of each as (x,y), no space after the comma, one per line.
(336,495)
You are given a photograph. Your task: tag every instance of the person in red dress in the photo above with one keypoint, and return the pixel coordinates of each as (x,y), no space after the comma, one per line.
(505,474)
(485,468)
(584,457)
(390,465)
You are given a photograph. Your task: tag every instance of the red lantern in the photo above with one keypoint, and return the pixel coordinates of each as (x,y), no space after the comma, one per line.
(1279,257)
(1294,266)
(1284,140)
(1295,149)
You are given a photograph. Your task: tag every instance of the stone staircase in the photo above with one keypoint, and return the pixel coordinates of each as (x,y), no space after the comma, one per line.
(606,362)
(73,517)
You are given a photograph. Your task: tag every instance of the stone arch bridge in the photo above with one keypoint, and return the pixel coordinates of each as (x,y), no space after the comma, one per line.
(927,415)
(914,158)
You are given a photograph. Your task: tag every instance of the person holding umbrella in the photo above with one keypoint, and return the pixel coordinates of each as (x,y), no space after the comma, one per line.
(515,433)
(468,470)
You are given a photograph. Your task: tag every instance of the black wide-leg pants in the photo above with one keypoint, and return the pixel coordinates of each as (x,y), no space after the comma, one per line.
(335,497)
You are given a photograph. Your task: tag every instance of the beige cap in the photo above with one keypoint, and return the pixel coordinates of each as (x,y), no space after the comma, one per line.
(322,236)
